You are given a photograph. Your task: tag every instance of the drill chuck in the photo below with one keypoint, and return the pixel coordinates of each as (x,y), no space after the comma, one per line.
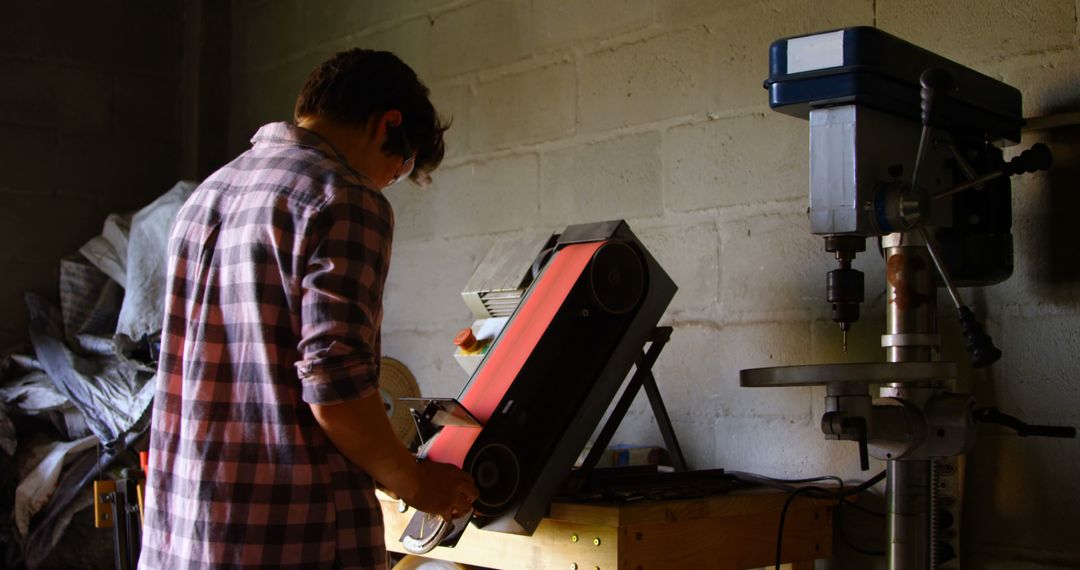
(844,289)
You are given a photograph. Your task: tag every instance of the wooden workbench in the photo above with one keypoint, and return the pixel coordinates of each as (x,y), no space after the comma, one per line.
(734,531)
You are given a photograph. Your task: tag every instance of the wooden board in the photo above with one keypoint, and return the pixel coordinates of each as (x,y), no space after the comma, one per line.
(735,531)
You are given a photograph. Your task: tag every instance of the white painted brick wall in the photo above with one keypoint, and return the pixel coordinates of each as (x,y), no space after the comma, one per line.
(740,37)
(498,116)
(409,40)
(558,23)
(481,34)
(740,160)
(451,100)
(1056,73)
(715,354)
(1025,343)
(617,178)
(975,32)
(771,268)
(418,299)
(496,195)
(429,356)
(271,32)
(647,80)
(342,19)
(654,111)
(690,253)
(1030,521)
(677,13)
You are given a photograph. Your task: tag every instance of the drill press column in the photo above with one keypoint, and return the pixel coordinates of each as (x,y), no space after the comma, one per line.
(911,335)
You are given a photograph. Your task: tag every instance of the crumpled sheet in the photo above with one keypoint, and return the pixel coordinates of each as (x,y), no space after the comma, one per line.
(133,251)
(41,472)
(91,374)
(8,441)
(144,298)
(34,394)
(109,251)
(53,486)
(89,301)
(111,393)
(47,527)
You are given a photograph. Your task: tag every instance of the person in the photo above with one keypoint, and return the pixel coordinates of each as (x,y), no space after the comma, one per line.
(267,426)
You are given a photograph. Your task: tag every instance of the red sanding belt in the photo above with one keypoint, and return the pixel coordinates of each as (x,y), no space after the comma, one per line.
(514,347)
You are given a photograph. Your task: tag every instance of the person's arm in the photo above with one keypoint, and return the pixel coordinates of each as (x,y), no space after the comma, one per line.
(362,432)
(340,314)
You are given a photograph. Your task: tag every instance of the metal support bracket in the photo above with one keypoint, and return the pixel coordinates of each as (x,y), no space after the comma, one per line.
(643,377)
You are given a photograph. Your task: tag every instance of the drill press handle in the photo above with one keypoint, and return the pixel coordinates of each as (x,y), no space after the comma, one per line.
(996,416)
(933,82)
(979,344)
(1034,159)
(937,83)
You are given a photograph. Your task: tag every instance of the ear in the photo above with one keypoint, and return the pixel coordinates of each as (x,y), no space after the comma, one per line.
(391,118)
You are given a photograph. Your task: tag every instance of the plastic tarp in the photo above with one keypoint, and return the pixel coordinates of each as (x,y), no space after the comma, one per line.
(70,496)
(34,394)
(110,392)
(133,252)
(109,250)
(8,441)
(90,303)
(144,297)
(90,375)
(43,466)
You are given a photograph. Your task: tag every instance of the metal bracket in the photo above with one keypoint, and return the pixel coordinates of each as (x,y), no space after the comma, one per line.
(643,377)
(104,496)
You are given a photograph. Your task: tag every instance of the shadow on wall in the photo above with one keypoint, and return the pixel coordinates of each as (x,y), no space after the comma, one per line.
(1016,514)
(1055,267)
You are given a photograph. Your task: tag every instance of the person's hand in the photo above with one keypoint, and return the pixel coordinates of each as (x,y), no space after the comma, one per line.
(361,431)
(442,489)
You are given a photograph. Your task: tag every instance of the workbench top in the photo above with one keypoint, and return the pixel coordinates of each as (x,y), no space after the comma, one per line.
(729,531)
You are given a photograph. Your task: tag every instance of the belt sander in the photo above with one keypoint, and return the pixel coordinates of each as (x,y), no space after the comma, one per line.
(547,380)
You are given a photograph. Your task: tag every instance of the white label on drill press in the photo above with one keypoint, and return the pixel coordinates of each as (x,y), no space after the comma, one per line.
(820,51)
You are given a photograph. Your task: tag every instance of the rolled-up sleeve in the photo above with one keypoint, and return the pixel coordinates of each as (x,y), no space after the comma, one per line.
(341,297)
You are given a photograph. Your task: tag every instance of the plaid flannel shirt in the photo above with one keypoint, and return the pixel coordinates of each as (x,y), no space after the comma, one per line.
(276,270)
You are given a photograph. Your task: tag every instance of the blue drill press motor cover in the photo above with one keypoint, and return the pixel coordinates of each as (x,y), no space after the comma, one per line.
(867,66)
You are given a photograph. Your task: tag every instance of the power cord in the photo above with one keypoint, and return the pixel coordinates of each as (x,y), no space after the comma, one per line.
(843,534)
(787,485)
(783,515)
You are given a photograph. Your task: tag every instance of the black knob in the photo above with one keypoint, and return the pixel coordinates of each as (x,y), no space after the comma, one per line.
(1036,158)
(935,82)
(979,344)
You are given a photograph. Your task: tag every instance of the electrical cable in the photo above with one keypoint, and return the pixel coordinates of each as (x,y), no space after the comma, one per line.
(787,485)
(859,507)
(783,515)
(850,545)
(840,520)
(783,484)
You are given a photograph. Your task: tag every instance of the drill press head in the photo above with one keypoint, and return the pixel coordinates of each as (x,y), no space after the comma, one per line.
(860,90)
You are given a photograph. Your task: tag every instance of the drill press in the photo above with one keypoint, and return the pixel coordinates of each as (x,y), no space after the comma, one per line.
(905,147)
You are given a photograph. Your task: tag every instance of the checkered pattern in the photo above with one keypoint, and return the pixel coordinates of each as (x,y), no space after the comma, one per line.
(276,270)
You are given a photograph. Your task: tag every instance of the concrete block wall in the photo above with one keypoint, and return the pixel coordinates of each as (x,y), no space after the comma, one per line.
(89,125)
(653,111)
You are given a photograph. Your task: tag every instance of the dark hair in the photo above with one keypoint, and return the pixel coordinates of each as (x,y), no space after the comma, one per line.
(353,86)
